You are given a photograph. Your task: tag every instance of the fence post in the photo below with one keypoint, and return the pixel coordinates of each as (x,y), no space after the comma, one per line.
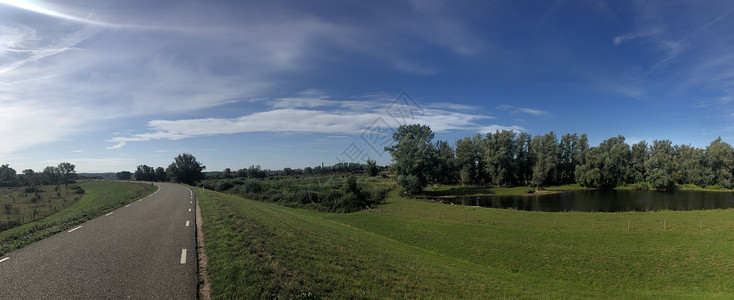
(492,220)
(464,217)
(664,225)
(523,222)
(628,224)
(700,225)
(439,214)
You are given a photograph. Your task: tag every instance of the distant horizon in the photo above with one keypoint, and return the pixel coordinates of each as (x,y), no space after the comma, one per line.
(110,85)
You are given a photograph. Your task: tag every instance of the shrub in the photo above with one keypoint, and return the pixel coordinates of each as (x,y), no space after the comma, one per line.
(223,186)
(411,184)
(32,189)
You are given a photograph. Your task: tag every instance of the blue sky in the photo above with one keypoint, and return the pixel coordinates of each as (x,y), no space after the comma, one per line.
(109,85)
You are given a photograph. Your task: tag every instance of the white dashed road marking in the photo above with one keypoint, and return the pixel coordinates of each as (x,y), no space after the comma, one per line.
(183,256)
(75,228)
(107,215)
(187,223)
(189,209)
(4,259)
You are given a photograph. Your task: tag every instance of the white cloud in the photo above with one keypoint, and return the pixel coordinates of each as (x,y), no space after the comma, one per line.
(116,146)
(311,115)
(494,128)
(525,110)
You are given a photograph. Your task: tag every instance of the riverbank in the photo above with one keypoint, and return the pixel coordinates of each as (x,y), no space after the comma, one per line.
(452,190)
(441,191)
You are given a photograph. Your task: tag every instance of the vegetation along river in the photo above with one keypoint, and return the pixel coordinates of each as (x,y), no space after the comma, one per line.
(603,201)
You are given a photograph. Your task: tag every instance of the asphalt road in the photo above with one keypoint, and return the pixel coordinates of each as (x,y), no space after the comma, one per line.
(146,250)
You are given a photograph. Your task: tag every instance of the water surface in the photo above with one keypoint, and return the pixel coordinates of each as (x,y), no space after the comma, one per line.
(604,201)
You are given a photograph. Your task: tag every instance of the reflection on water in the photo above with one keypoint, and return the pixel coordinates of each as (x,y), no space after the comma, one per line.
(604,201)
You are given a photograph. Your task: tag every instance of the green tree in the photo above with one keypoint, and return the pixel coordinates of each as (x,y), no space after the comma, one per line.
(160,174)
(372,169)
(7,175)
(145,173)
(67,173)
(606,166)
(692,166)
(185,169)
(566,162)
(524,162)
(51,175)
(413,152)
(545,154)
(444,170)
(720,158)
(499,155)
(124,175)
(661,165)
(640,153)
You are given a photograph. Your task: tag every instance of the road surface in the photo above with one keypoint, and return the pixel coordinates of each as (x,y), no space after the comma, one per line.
(146,250)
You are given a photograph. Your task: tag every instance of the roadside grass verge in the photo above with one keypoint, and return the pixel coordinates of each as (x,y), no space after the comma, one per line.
(263,250)
(100,197)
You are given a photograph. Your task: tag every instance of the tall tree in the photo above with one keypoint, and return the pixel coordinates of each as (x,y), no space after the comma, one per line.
(545,155)
(499,157)
(566,161)
(7,174)
(606,166)
(160,174)
(661,165)
(51,175)
(67,173)
(145,173)
(720,158)
(444,170)
(467,159)
(524,171)
(185,169)
(692,167)
(124,175)
(640,153)
(413,152)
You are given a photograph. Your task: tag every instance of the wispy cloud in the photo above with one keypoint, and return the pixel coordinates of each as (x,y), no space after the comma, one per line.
(311,115)
(523,110)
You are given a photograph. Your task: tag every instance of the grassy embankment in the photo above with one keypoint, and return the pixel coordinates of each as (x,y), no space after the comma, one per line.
(99,198)
(258,248)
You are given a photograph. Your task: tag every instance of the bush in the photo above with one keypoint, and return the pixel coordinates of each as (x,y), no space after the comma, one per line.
(223,186)
(253,186)
(77,189)
(411,184)
(32,189)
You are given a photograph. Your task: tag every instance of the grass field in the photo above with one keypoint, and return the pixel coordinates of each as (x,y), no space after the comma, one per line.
(260,249)
(100,197)
(20,205)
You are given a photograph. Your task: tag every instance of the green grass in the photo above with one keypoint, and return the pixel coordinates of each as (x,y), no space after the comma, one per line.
(261,249)
(100,197)
(20,205)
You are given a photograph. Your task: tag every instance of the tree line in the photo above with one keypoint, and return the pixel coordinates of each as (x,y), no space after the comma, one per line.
(506,158)
(61,174)
(184,168)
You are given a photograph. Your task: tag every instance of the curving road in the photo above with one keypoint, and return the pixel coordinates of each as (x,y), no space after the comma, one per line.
(146,250)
